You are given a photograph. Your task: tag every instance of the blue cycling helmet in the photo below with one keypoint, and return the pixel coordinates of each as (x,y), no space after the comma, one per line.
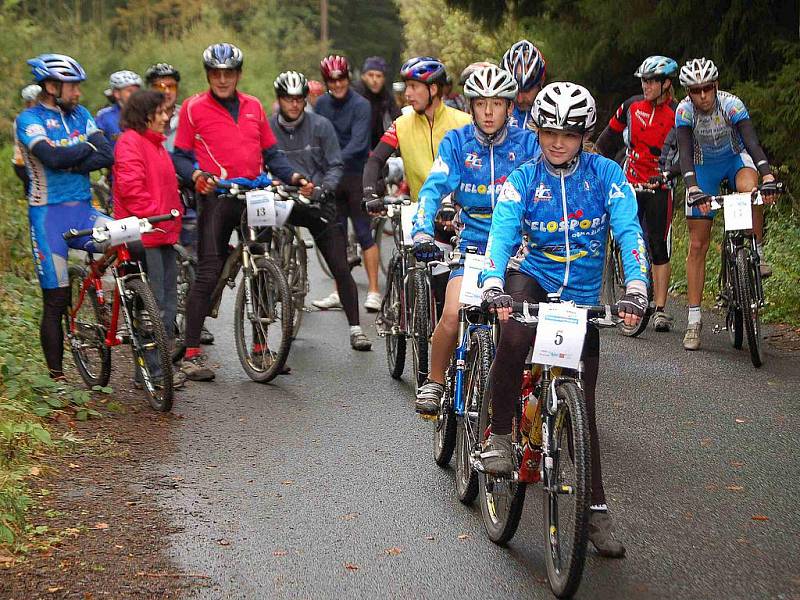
(56,67)
(526,63)
(657,67)
(424,69)
(223,56)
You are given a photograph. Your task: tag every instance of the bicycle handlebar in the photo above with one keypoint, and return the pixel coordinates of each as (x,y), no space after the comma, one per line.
(143,224)
(525,309)
(719,200)
(639,188)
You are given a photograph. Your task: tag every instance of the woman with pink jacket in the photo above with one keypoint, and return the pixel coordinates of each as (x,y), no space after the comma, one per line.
(145,185)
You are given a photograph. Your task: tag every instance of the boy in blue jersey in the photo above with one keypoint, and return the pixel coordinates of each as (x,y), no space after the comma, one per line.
(564,201)
(473,162)
(524,61)
(61,145)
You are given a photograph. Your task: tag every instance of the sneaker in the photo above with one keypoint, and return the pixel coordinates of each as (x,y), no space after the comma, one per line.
(331,301)
(662,321)
(195,368)
(496,455)
(373,302)
(359,341)
(765,268)
(206,337)
(601,534)
(691,341)
(429,395)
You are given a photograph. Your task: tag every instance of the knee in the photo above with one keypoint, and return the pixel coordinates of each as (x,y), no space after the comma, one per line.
(55,300)
(699,245)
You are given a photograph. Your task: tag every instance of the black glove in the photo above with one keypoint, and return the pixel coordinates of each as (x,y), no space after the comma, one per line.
(770,188)
(494,298)
(699,197)
(426,251)
(373,205)
(660,180)
(633,304)
(446,213)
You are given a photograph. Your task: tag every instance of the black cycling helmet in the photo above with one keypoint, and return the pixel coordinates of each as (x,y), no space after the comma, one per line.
(223,56)
(161,70)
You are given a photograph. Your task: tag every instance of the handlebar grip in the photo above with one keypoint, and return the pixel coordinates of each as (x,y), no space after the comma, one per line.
(173,214)
(74,233)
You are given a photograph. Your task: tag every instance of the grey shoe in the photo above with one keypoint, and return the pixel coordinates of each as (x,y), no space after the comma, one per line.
(429,395)
(359,341)
(691,341)
(662,321)
(195,368)
(496,455)
(601,534)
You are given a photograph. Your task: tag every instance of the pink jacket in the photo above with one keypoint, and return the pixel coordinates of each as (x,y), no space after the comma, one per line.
(145,184)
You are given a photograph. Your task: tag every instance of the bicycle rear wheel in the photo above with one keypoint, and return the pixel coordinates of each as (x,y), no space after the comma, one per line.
(85,331)
(420,326)
(289,249)
(567,494)
(263,320)
(479,361)
(501,498)
(391,320)
(151,355)
(748,303)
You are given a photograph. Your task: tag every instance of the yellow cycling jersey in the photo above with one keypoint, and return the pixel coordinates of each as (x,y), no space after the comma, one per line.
(418,140)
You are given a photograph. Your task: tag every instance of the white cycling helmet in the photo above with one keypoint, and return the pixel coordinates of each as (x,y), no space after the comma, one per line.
(490,82)
(698,71)
(123,79)
(565,106)
(526,63)
(291,83)
(31,92)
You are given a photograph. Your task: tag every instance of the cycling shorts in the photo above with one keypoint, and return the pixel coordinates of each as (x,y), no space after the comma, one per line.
(349,195)
(710,176)
(457,270)
(655,216)
(47,226)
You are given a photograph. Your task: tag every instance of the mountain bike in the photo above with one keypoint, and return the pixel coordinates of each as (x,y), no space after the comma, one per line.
(91,319)
(550,438)
(187,267)
(289,250)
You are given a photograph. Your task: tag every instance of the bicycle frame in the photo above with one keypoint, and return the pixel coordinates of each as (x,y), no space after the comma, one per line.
(465,330)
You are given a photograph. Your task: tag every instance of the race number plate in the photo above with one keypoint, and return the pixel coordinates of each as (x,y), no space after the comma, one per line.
(260,208)
(470,292)
(124,231)
(559,335)
(738,212)
(283,208)
(407,214)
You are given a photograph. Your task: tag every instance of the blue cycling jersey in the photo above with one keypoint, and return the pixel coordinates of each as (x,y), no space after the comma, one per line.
(520,118)
(475,173)
(55,127)
(108,120)
(565,217)
(715,138)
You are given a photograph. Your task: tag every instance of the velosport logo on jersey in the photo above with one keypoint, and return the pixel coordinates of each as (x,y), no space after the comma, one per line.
(473,161)
(473,188)
(577,222)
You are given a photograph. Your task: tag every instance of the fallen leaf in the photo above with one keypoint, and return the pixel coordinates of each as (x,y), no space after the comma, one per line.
(740,421)
(734,488)
(429,538)
(211,466)
(351,566)
(760,518)
(223,542)
(118,547)
(100,526)
(280,553)
(736,464)
(393,551)
(463,536)
(54,589)
(288,482)
(6,559)
(705,442)
(34,471)
(349,516)
(73,466)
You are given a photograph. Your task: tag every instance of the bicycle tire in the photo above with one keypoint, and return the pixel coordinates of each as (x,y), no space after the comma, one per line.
(391,312)
(479,361)
(420,327)
(289,249)
(148,330)
(570,428)
(269,285)
(377,235)
(611,277)
(501,499)
(186,275)
(90,333)
(444,433)
(745,290)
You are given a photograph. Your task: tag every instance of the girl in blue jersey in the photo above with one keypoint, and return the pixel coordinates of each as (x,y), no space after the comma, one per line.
(472,164)
(564,201)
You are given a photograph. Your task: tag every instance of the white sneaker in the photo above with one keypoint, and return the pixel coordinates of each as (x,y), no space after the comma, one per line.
(328,302)
(373,302)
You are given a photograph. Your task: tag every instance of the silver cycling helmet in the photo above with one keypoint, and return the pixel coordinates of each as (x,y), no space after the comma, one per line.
(526,63)
(490,82)
(31,92)
(123,79)
(291,83)
(698,71)
(565,106)
(656,66)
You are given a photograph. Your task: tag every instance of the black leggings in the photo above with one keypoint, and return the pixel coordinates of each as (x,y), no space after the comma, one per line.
(51,335)
(505,376)
(655,216)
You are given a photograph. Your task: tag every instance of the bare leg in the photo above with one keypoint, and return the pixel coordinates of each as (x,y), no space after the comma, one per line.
(444,341)
(661,274)
(699,238)
(371,264)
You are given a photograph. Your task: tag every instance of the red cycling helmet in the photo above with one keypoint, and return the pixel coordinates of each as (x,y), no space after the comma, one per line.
(315,88)
(334,67)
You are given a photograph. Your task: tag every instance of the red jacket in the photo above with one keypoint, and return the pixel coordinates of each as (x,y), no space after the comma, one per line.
(145,184)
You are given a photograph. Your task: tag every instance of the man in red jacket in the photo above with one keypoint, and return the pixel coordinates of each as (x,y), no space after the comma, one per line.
(227,134)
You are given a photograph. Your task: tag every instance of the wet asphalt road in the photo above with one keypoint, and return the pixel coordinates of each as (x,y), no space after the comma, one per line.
(322,484)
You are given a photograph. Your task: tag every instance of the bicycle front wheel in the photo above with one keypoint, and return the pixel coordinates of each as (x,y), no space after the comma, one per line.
(420,326)
(263,320)
(153,361)
(567,492)
(444,434)
(85,331)
(748,303)
(612,275)
(391,321)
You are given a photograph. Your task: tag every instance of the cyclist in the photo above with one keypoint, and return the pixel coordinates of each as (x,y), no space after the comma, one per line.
(468,70)
(713,131)
(350,115)
(122,85)
(373,87)
(61,145)
(226,133)
(30,96)
(309,142)
(642,123)
(526,63)
(473,162)
(564,200)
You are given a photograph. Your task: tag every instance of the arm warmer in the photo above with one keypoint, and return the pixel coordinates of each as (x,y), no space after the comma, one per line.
(686,154)
(609,143)
(184,160)
(750,139)
(374,166)
(61,157)
(278,164)
(101,158)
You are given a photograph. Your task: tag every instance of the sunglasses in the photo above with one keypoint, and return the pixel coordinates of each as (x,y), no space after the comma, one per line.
(165,86)
(696,91)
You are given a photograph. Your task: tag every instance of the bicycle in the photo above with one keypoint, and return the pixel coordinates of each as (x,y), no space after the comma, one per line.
(614,278)
(263,309)
(187,267)
(91,325)
(551,444)
(408,309)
